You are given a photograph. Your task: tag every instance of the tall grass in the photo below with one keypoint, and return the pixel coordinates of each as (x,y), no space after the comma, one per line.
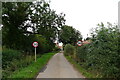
(17,65)
(13,60)
(33,69)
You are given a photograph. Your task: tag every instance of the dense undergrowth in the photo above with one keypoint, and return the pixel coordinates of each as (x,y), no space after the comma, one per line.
(31,71)
(14,60)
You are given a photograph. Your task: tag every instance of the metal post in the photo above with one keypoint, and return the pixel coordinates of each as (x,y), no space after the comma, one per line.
(35,54)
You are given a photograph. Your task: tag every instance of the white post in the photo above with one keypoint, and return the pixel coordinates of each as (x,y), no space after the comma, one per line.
(35,54)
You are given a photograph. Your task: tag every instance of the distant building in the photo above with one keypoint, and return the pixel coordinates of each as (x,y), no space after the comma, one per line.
(59,46)
(86,42)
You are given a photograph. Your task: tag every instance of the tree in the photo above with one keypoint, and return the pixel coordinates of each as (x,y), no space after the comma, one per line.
(46,22)
(69,35)
(13,16)
(18,17)
(103,52)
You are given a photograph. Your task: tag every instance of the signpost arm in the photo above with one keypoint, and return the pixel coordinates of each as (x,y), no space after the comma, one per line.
(35,54)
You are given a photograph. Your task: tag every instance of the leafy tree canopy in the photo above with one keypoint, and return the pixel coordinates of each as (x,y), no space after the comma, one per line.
(69,35)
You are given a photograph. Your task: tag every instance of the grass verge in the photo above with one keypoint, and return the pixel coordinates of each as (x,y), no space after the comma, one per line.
(79,68)
(32,70)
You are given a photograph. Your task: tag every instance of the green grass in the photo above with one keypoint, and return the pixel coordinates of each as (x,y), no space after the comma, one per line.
(33,69)
(79,68)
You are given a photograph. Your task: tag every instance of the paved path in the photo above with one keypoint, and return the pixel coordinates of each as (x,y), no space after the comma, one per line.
(59,67)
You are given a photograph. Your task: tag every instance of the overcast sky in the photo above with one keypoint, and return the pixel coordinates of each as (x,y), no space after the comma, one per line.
(86,14)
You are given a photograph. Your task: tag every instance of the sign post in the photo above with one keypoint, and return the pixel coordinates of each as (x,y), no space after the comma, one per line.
(35,54)
(35,44)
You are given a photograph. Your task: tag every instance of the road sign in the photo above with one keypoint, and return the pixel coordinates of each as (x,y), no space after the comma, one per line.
(79,43)
(35,44)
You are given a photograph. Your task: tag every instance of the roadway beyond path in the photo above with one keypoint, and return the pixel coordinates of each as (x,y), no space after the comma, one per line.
(59,67)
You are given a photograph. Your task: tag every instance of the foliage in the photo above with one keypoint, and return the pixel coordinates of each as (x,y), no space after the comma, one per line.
(81,52)
(45,20)
(69,35)
(102,56)
(69,50)
(7,56)
(13,60)
(12,20)
(81,69)
(43,47)
(31,70)
(36,16)
(22,24)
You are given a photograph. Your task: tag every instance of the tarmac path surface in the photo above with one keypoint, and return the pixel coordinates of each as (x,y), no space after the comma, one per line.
(59,67)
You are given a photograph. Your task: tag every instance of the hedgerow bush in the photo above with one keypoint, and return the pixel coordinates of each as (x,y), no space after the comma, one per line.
(69,50)
(102,56)
(44,45)
(13,60)
(81,52)
(8,55)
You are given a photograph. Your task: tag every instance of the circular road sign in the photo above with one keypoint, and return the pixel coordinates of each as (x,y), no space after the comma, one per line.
(79,43)
(35,44)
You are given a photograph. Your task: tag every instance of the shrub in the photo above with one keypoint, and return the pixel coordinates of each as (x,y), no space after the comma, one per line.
(8,55)
(81,53)
(14,60)
(69,49)
(106,57)
(102,56)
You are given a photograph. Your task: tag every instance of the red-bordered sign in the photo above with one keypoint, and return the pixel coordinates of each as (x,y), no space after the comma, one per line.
(35,44)
(79,43)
